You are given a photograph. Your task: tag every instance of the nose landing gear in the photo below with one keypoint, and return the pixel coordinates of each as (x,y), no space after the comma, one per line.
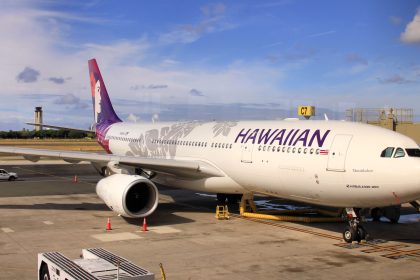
(354,231)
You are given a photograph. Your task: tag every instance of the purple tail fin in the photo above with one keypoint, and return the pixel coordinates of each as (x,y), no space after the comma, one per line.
(104,113)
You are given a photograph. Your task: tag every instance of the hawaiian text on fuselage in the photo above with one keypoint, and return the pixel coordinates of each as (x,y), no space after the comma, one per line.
(293,137)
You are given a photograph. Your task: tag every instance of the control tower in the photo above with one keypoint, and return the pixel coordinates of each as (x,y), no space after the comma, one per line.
(38,118)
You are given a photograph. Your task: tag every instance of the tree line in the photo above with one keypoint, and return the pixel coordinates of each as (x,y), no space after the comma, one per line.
(42,134)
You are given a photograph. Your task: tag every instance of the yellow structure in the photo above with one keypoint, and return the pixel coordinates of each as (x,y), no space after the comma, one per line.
(162,272)
(306,111)
(222,212)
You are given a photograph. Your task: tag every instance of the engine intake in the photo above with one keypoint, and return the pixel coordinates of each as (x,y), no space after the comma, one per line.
(129,195)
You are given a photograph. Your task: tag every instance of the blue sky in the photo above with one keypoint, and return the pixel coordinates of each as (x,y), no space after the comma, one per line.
(179,60)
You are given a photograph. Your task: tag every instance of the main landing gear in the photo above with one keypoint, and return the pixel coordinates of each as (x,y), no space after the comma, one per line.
(354,231)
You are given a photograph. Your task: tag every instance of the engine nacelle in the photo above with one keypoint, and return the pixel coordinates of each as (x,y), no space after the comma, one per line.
(129,195)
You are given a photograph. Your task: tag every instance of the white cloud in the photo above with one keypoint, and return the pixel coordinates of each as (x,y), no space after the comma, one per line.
(212,20)
(122,63)
(355,58)
(28,75)
(411,33)
(395,20)
(322,34)
(196,92)
(24,24)
(57,80)
(394,79)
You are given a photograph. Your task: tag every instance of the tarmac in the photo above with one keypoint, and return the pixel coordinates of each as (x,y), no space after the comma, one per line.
(46,211)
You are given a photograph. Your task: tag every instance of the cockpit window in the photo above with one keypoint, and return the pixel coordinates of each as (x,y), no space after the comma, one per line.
(399,153)
(413,152)
(387,152)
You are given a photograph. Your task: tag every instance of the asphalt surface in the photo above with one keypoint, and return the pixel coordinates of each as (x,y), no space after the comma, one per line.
(45,210)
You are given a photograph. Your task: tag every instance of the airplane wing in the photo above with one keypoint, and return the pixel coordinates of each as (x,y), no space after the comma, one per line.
(62,127)
(186,168)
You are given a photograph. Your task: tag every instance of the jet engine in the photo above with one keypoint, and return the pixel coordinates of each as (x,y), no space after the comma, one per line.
(128,195)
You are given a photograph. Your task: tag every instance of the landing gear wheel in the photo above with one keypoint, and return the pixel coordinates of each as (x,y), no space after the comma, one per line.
(349,234)
(354,231)
(361,233)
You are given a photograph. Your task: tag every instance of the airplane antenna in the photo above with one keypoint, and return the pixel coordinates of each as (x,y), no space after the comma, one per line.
(326,117)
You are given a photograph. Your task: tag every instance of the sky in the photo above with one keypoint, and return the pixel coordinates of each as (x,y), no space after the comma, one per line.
(206,60)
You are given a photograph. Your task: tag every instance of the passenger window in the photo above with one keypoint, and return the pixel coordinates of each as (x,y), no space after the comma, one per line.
(274,149)
(259,148)
(288,150)
(300,150)
(387,152)
(399,153)
(284,149)
(278,149)
(306,150)
(312,151)
(294,149)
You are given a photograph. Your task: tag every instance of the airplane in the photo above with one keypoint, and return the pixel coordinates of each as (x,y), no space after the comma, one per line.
(324,162)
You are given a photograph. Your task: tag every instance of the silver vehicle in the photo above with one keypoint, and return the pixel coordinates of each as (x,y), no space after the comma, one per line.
(4,175)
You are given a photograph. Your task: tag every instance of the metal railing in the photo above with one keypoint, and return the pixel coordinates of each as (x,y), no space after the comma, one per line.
(369,115)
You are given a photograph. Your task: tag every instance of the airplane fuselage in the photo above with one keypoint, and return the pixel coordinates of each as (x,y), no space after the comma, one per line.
(331,163)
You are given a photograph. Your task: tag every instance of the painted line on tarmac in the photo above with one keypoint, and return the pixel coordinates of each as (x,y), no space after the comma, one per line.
(7,230)
(70,178)
(26,180)
(109,237)
(48,223)
(162,229)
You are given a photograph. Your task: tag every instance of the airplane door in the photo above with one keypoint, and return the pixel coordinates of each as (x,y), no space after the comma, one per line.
(246,156)
(338,152)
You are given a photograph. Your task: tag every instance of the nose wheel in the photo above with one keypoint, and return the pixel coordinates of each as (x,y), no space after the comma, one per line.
(354,231)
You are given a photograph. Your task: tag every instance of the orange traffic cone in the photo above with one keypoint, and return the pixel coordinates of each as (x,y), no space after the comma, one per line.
(144,225)
(75,179)
(108,224)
